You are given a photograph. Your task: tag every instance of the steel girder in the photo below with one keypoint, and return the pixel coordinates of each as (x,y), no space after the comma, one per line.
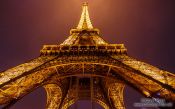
(147,79)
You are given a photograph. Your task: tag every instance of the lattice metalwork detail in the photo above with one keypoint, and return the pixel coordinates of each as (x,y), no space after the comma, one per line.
(85,67)
(84,92)
(149,70)
(17,71)
(100,66)
(85,22)
(24,85)
(54,96)
(114,90)
(155,81)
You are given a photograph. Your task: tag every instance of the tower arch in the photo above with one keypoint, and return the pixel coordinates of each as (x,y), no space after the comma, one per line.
(84,60)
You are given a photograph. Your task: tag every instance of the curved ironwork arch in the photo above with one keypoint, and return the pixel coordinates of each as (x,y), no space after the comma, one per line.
(54,96)
(148,86)
(102,66)
(71,102)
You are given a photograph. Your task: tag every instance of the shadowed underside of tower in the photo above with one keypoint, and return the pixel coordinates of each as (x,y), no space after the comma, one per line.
(85,66)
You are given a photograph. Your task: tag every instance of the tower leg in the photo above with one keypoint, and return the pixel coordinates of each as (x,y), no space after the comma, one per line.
(54,96)
(115,93)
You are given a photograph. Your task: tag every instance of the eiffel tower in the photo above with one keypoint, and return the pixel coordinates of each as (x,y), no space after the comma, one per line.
(85,67)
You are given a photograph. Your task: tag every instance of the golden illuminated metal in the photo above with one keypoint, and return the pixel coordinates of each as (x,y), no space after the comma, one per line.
(85,22)
(84,66)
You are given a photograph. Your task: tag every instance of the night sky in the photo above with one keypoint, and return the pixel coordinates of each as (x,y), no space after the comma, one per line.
(146,27)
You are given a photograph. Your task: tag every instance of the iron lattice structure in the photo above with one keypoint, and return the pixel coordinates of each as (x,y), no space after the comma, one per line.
(85,66)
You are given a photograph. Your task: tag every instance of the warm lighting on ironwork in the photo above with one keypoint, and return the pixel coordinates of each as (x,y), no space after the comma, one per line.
(85,22)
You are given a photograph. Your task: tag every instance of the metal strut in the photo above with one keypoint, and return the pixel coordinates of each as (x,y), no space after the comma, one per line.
(69,98)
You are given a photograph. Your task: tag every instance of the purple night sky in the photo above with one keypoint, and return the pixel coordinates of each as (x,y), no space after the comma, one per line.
(146,27)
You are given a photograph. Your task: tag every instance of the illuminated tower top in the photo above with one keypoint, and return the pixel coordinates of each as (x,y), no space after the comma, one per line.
(84,33)
(85,22)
